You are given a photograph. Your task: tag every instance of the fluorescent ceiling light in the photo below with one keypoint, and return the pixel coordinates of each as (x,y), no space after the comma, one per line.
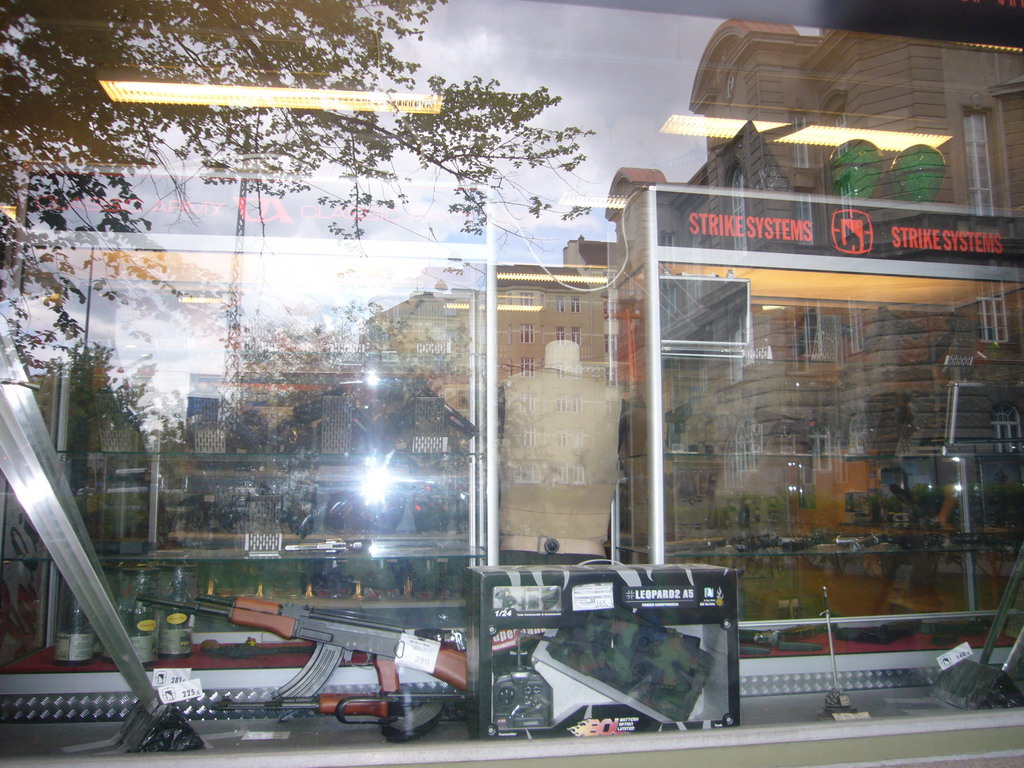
(553,278)
(519,308)
(986,47)
(834,136)
(141,92)
(200,300)
(712,127)
(501,307)
(594,201)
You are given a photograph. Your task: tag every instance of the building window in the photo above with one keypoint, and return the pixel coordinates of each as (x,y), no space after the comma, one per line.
(821,450)
(529,436)
(576,335)
(527,474)
(569,403)
(993,319)
(666,237)
(738,182)
(526,333)
(524,299)
(575,304)
(856,330)
(559,303)
(802,208)
(562,438)
(527,366)
(801,153)
(1006,428)
(749,445)
(559,333)
(528,400)
(858,435)
(979,173)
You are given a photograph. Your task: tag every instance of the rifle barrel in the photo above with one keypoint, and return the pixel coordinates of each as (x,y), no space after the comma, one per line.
(197,607)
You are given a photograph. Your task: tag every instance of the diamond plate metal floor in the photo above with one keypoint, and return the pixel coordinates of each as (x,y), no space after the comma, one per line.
(906,726)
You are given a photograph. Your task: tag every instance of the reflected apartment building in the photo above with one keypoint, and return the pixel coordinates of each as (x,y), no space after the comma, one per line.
(865,187)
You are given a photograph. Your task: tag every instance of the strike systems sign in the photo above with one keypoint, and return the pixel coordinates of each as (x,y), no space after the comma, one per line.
(827,228)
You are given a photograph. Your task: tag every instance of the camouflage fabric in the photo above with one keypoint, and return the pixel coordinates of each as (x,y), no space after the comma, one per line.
(656,666)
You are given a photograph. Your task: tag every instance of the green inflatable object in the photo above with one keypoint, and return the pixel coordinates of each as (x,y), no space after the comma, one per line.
(855,167)
(917,174)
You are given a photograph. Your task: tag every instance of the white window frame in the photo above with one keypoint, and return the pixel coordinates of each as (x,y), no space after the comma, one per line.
(993,318)
(1006,426)
(979,162)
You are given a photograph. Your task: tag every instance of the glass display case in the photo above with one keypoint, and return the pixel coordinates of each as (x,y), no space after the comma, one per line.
(821,419)
(276,412)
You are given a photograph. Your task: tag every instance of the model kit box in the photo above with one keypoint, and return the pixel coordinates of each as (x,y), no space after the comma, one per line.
(597,650)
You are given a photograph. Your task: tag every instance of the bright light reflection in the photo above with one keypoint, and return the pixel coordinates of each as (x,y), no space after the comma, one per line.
(835,135)
(594,201)
(372,379)
(713,127)
(141,92)
(376,482)
(547,278)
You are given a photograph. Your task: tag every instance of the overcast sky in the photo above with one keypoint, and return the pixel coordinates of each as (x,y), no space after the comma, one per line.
(619,73)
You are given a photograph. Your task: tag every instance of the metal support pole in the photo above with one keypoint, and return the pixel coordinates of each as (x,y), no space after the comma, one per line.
(655,412)
(491,462)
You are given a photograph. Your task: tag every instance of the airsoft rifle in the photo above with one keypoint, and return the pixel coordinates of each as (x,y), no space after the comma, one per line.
(344,636)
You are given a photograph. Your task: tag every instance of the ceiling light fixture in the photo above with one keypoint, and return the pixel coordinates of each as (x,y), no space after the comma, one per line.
(501,307)
(713,127)
(834,136)
(592,279)
(143,92)
(594,201)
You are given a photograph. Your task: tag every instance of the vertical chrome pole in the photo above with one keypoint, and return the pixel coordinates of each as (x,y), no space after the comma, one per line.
(655,447)
(491,460)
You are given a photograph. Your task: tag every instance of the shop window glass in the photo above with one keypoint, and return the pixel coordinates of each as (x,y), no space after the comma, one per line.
(235,309)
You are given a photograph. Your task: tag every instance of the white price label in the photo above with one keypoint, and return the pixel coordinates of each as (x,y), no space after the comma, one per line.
(958,654)
(172,675)
(417,652)
(183,691)
(593,597)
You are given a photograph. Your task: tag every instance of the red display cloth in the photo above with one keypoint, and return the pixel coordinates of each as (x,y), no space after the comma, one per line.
(42,661)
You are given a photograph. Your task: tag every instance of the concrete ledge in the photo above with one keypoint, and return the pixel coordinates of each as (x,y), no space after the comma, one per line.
(990,735)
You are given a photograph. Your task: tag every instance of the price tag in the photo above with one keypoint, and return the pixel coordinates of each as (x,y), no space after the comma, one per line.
(417,652)
(593,597)
(183,691)
(959,653)
(169,676)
